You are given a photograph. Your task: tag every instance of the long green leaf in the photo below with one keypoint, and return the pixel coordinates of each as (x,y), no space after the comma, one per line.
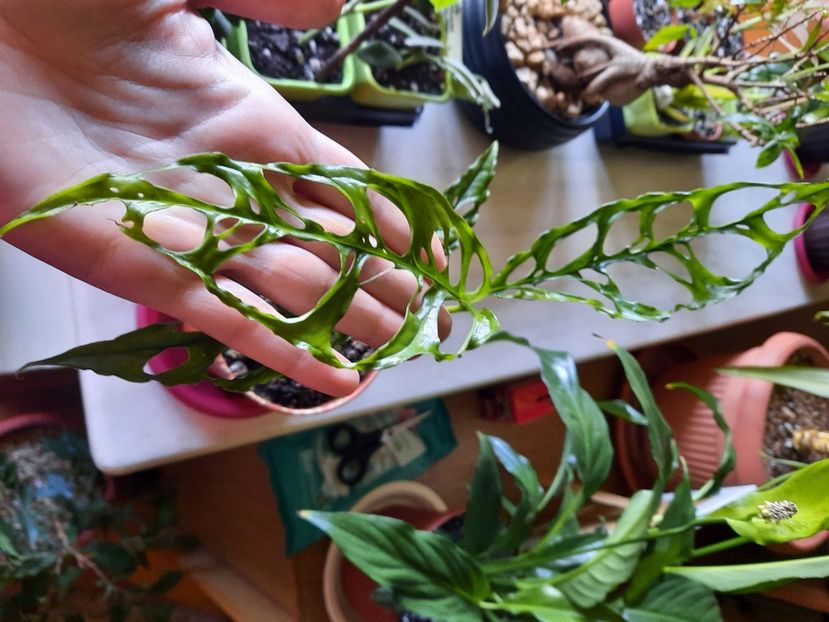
(806,489)
(676,599)
(660,437)
(728,459)
(754,577)
(480,521)
(428,573)
(813,380)
(669,549)
(473,187)
(589,583)
(545,603)
(592,267)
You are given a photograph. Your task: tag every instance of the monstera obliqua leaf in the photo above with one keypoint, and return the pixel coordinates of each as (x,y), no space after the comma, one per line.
(267,209)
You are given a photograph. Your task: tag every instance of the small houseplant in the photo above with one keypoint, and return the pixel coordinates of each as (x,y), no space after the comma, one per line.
(68,550)
(528,558)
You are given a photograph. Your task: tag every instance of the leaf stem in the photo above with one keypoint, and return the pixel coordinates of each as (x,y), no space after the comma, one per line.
(720,546)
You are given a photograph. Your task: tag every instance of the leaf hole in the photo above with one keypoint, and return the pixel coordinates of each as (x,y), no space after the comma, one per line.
(571,246)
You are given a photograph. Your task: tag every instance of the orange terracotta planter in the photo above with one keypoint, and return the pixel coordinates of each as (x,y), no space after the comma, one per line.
(744,403)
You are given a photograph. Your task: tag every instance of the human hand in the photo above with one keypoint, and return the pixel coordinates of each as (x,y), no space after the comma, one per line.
(92,86)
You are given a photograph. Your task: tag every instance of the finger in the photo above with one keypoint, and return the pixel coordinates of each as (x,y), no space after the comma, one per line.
(208,314)
(293,14)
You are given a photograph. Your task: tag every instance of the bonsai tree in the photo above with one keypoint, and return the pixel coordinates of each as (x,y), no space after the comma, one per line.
(509,563)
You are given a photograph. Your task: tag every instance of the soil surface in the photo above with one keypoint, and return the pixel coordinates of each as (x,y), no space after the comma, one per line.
(651,15)
(422,77)
(791,410)
(528,27)
(276,52)
(287,392)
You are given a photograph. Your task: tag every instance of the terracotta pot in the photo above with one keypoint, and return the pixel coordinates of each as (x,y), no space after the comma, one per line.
(812,247)
(209,399)
(744,404)
(346,590)
(623,23)
(16,423)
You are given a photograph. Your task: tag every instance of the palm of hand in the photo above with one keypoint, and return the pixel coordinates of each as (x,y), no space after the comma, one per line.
(122,86)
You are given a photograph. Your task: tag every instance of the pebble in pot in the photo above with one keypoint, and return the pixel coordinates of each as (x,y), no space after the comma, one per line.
(539,93)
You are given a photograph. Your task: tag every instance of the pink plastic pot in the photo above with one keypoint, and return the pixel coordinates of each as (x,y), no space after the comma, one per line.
(211,400)
(17,423)
(812,246)
(744,404)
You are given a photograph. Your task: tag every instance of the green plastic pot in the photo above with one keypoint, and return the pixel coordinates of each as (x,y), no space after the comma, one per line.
(368,92)
(643,119)
(298,90)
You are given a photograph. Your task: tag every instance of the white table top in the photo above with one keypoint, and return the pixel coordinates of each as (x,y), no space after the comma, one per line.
(134,426)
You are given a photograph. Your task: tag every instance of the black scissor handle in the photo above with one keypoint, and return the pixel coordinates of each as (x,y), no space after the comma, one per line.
(352,469)
(342,439)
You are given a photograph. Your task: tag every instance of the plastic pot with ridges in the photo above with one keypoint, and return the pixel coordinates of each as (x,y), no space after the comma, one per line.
(744,403)
(291,89)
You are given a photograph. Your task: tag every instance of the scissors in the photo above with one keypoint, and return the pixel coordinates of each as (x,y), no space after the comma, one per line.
(356,448)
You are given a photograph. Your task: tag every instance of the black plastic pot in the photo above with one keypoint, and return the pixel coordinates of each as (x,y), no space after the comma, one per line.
(812,247)
(521,121)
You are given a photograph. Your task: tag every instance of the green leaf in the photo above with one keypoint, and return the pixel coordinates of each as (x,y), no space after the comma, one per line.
(466,85)
(66,579)
(769,154)
(668,34)
(521,522)
(380,54)
(676,599)
(728,459)
(754,577)
(429,574)
(492,7)
(660,437)
(113,557)
(589,583)
(127,355)
(814,380)
(667,549)
(7,539)
(545,603)
(473,187)
(622,410)
(166,582)
(480,521)
(534,275)
(32,565)
(806,488)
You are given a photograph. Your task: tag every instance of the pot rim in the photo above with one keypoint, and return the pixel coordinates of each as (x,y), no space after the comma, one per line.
(210,399)
(406,493)
(802,256)
(22,421)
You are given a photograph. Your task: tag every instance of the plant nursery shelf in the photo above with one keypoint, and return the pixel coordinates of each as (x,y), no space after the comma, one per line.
(135,426)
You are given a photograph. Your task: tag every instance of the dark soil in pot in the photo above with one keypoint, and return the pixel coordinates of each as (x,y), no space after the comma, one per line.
(287,392)
(418,77)
(794,425)
(651,15)
(276,52)
(730,44)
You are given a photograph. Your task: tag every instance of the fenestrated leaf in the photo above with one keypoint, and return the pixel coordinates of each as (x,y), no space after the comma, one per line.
(728,459)
(589,583)
(480,521)
(806,488)
(668,549)
(814,380)
(545,603)
(429,574)
(754,577)
(675,599)
(592,267)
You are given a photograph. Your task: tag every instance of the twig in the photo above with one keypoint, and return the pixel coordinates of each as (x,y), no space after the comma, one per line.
(744,132)
(370,30)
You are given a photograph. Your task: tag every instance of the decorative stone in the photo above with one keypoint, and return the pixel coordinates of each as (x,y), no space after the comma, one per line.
(535,59)
(515,55)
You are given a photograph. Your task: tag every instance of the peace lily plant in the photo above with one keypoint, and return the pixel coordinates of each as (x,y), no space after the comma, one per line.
(511,567)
